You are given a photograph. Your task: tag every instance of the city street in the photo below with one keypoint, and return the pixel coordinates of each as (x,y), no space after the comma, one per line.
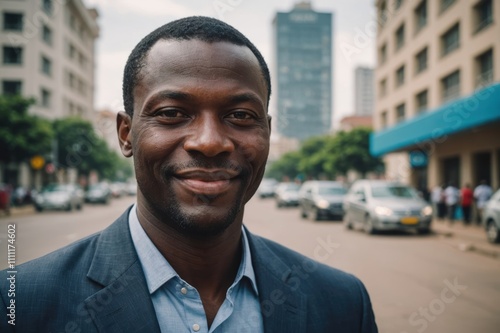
(417,283)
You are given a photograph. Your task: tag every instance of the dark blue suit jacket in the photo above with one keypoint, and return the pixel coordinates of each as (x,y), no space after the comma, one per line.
(97,285)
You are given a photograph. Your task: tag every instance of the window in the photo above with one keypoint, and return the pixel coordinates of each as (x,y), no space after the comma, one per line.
(12,55)
(445,4)
(397,4)
(421,61)
(46,66)
(421,16)
(484,65)
(383,87)
(11,87)
(13,21)
(400,37)
(451,86)
(483,15)
(382,13)
(383,54)
(47,34)
(47,6)
(400,76)
(45,100)
(400,112)
(450,40)
(383,119)
(421,101)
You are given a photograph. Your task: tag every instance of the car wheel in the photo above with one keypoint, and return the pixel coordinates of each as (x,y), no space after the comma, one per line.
(492,232)
(347,223)
(368,226)
(314,214)
(38,209)
(69,208)
(424,231)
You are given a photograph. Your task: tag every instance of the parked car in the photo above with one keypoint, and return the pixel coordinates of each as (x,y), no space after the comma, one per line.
(59,196)
(132,188)
(321,199)
(287,194)
(267,188)
(491,218)
(100,193)
(375,205)
(118,189)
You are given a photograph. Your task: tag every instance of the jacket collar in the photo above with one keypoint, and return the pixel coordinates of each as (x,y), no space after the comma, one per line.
(283,306)
(123,305)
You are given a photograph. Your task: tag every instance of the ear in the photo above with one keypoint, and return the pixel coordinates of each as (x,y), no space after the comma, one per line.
(269,118)
(123,127)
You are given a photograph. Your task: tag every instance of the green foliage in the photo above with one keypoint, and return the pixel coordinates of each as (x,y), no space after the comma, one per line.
(22,136)
(79,147)
(328,156)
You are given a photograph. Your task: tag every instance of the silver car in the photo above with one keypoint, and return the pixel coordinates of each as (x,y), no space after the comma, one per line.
(287,194)
(375,205)
(491,218)
(321,199)
(58,196)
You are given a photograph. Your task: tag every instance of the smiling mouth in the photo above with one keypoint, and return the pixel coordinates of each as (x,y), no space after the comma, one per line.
(207,182)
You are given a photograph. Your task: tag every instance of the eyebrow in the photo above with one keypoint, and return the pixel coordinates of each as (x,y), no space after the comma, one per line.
(182,96)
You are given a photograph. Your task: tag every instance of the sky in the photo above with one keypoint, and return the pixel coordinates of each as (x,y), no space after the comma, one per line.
(123,23)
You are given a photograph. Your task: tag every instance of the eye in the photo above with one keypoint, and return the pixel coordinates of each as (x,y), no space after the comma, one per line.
(170,113)
(241,115)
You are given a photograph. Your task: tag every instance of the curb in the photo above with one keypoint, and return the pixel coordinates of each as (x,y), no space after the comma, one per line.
(464,245)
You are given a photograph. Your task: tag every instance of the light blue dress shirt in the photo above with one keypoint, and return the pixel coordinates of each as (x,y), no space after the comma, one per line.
(178,305)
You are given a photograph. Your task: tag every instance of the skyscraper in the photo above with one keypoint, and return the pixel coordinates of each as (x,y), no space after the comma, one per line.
(364,88)
(303,51)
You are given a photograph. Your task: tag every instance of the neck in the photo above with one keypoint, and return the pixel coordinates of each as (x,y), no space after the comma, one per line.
(209,264)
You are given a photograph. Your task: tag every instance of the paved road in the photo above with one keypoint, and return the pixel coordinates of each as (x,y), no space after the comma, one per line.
(417,284)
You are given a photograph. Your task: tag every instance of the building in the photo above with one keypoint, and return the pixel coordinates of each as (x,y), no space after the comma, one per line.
(438,97)
(48,53)
(303,62)
(364,91)
(47,50)
(351,122)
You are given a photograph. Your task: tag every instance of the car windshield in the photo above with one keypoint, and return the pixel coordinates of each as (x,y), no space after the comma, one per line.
(96,187)
(332,190)
(290,187)
(55,188)
(393,192)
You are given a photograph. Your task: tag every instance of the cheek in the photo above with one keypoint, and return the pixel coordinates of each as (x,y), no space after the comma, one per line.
(152,146)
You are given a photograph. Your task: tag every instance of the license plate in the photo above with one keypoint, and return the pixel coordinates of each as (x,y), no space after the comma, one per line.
(409,220)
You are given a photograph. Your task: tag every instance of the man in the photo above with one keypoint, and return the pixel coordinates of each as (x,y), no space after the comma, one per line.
(452,195)
(466,202)
(482,193)
(196,93)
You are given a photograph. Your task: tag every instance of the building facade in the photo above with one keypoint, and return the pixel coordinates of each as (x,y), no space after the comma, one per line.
(438,93)
(303,78)
(364,91)
(47,52)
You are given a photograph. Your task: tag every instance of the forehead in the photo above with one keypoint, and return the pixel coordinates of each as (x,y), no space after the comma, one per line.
(174,59)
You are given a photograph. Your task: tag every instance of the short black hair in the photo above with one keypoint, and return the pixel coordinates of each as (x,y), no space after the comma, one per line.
(202,28)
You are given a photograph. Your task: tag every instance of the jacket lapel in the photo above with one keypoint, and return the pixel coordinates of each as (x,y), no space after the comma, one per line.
(124,304)
(283,307)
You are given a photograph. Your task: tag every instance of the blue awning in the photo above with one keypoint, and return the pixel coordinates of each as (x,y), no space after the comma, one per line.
(481,108)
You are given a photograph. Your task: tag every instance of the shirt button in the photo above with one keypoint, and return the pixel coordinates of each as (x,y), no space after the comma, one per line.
(196,327)
(184,291)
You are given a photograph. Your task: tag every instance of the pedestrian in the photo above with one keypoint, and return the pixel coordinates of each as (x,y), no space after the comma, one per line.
(438,201)
(466,203)
(482,193)
(452,195)
(196,95)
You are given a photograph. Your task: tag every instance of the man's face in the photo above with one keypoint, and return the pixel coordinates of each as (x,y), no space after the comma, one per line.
(199,134)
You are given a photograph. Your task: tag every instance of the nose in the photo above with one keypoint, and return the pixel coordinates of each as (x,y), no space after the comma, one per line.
(209,137)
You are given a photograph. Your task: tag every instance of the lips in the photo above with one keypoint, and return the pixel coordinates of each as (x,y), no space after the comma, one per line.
(207,182)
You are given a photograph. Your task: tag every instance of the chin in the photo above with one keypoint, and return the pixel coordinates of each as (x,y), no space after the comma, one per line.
(203,222)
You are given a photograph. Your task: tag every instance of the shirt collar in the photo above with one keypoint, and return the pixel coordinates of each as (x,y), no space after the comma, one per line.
(157,269)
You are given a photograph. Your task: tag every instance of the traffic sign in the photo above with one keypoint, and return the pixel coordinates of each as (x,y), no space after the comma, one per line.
(37,162)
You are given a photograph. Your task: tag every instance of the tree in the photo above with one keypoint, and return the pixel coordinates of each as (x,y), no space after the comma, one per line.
(286,166)
(313,156)
(351,151)
(22,136)
(79,147)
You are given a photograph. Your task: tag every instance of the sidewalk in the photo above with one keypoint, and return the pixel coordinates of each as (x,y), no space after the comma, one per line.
(466,238)
(18,211)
